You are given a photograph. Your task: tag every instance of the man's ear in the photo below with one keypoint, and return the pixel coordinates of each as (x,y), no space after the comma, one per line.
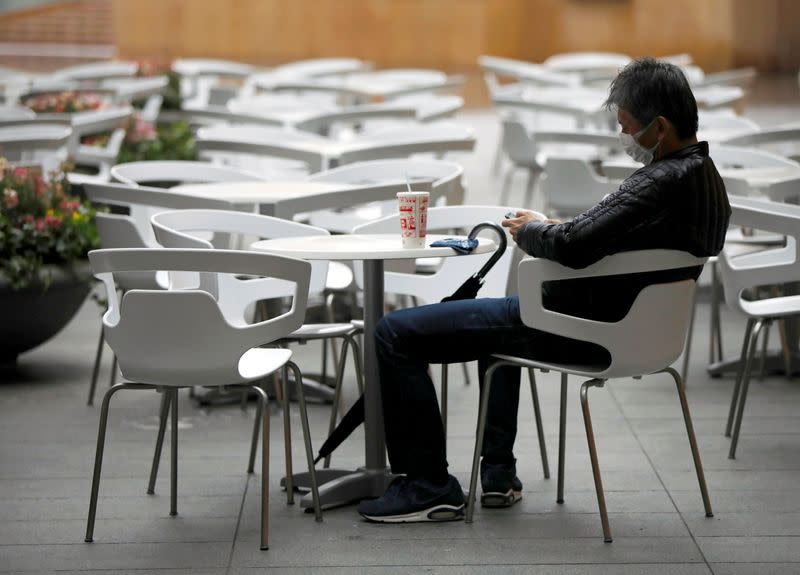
(662,126)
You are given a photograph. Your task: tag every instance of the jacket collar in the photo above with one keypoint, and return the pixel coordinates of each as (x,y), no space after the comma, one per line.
(700,148)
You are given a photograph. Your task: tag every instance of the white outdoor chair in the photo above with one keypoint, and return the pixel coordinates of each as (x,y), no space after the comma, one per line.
(30,141)
(177,172)
(780,140)
(646,341)
(283,149)
(739,274)
(570,186)
(16,113)
(531,151)
(96,122)
(735,157)
(431,288)
(133,230)
(445,175)
(199,75)
(149,331)
(715,125)
(237,298)
(96,71)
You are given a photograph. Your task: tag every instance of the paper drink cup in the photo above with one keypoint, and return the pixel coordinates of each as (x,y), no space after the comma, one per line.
(413,207)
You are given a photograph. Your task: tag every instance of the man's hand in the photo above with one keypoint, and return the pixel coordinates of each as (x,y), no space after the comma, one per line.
(516,223)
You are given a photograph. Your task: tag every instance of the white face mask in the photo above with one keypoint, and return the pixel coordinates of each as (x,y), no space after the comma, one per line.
(634,149)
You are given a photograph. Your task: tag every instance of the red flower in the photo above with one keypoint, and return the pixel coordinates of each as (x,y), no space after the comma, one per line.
(21,173)
(52,221)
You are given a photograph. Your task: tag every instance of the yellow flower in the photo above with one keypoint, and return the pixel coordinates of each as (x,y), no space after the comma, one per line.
(50,213)
(76,216)
(2,165)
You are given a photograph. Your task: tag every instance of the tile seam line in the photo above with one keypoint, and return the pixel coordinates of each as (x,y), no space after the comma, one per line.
(238,523)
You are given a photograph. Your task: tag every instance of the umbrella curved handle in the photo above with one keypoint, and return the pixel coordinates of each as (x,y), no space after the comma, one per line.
(498,252)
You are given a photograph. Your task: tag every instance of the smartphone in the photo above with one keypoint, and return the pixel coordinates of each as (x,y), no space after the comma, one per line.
(510,215)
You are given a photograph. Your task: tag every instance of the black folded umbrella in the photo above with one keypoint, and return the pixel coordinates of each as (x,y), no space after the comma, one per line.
(468,290)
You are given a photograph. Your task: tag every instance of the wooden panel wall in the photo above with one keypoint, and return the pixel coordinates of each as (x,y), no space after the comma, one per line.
(451,34)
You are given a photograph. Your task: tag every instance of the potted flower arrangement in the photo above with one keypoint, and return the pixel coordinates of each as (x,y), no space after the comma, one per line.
(45,235)
(67,102)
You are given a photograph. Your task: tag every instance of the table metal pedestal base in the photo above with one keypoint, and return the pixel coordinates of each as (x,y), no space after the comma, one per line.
(773,363)
(340,487)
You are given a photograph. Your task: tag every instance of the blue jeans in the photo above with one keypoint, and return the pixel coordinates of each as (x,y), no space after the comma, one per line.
(454,332)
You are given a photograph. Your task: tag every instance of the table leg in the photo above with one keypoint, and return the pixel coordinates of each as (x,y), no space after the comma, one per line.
(372,479)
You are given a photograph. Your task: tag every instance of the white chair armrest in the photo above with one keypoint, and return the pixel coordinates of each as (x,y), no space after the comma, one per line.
(534,272)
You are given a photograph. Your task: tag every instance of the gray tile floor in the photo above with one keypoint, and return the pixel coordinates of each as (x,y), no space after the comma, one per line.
(47,449)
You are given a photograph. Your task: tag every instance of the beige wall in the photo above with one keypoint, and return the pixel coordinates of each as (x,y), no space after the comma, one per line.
(451,34)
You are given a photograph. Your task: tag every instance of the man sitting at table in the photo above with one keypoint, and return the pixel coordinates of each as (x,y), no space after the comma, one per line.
(676,201)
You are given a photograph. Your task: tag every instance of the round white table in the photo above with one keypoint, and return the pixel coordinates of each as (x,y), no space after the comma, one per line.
(340,487)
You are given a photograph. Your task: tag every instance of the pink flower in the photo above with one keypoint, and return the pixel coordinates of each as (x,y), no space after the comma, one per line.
(21,173)
(10,199)
(52,221)
(40,224)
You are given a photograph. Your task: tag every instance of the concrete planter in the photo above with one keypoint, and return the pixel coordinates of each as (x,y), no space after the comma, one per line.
(31,316)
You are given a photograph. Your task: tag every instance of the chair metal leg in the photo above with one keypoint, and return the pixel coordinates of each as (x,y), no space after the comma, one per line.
(598,480)
(254,442)
(162,426)
(331,319)
(562,439)
(112,377)
(301,397)
(443,401)
(263,406)
(337,395)
(687,418)
(505,190)
(173,470)
(716,328)
(748,366)
(530,187)
(764,346)
(687,350)
(287,436)
(357,361)
(96,369)
(498,160)
(467,379)
(539,428)
(98,457)
(476,457)
(748,332)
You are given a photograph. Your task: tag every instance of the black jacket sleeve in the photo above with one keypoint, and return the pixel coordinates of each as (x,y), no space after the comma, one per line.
(602,230)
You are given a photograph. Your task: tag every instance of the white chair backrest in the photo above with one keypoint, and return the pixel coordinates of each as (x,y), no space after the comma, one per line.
(446,175)
(650,336)
(772,266)
(517,142)
(433,138)
(183,172)
(133,230)
(570,186)
(262,141)
(527,72)
(181,337)
(725,156)
(98,71)
(16,113)
(431,288)
(180,229)
(782,140)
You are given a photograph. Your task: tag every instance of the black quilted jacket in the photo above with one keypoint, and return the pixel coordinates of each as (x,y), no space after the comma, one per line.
(677,202)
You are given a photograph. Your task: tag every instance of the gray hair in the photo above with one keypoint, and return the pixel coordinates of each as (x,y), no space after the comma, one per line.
(647,88)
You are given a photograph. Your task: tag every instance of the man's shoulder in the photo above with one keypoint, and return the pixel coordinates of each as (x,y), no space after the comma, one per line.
(666,171)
